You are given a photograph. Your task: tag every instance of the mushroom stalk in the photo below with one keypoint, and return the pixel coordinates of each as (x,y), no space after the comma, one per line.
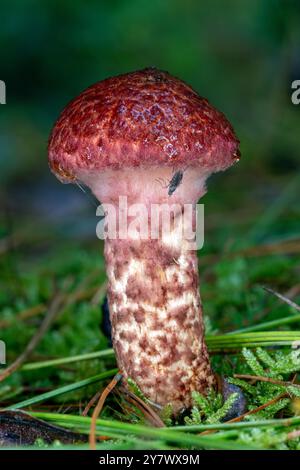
(150,137)
(156,315)
(152,269)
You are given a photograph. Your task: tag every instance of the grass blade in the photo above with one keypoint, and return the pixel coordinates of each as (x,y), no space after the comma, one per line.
(62,390)
(109,427)
(68,360)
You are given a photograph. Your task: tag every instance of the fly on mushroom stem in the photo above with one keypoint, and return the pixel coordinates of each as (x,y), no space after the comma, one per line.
(119,137)
(175,182)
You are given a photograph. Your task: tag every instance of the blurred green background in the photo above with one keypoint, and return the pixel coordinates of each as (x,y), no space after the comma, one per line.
(242,56)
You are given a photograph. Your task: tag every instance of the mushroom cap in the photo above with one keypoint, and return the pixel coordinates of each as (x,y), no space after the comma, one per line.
(140,119)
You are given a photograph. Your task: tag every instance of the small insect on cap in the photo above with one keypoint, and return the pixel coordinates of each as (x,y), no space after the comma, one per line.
(140,119)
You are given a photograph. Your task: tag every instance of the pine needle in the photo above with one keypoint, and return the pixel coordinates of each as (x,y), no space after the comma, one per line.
(147,411)
(99,406)
(283,298)
(265,379)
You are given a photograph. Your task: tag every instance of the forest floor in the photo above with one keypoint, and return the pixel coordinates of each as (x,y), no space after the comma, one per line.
(251,257)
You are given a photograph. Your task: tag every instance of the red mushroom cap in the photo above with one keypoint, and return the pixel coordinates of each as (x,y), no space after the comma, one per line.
(140,119)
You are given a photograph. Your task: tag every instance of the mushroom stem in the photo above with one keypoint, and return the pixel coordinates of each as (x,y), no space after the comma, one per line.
(150,138)
(156,316)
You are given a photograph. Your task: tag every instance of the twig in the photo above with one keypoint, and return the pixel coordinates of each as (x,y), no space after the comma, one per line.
(248,413)
(48,319)
(71,298)
(256,410)
(82,292)
(282,247)
(259,408)
(100,292)
(283,298)
(91,403)
(148,412)
(265,405)
(260,378)
(80,295)
(262,407)
(24,315)
(97,410)
(292,292)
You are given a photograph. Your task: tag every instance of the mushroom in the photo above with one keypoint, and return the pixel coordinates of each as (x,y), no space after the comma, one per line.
(127,137)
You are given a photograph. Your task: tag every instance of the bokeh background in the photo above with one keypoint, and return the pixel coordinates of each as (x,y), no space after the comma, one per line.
(242,56)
